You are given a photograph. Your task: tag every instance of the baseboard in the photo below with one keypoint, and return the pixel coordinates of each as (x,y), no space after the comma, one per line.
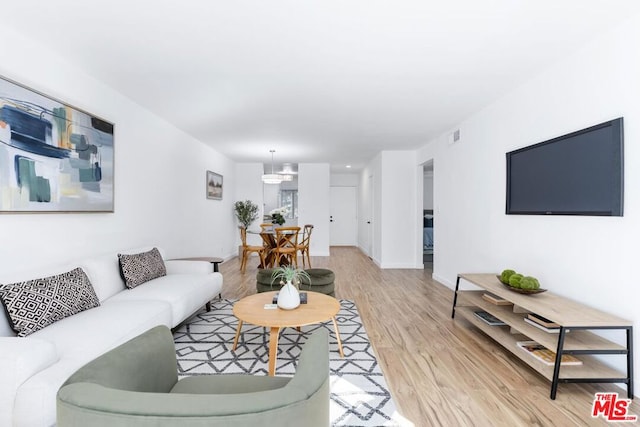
(400,265)
(443,281)
(320,254)
(229,256)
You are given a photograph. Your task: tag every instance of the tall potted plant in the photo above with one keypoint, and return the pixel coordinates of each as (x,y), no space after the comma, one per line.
(246,212)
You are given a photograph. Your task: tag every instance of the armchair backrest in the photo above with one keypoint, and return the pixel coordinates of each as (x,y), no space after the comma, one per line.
(146,363)
(106,392)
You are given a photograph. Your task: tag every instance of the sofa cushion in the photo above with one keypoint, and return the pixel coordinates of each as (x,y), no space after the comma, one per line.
(185,292)
(90,333)
(139,268)
(80,339)
(20,359)
(36,304)
(104,273)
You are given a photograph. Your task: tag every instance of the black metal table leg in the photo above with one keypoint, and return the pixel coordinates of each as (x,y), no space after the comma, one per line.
(455,298)
(556,367)
(630,362)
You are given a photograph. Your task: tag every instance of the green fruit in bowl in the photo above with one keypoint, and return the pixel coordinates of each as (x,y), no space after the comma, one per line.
(529,283)
(505,275)
(515,280)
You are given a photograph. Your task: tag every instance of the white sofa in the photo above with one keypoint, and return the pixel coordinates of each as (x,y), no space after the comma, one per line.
(33,368)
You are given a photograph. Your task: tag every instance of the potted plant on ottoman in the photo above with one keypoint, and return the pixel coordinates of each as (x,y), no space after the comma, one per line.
(289,297)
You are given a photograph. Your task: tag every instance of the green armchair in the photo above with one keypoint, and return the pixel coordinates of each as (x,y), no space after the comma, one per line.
(136,384)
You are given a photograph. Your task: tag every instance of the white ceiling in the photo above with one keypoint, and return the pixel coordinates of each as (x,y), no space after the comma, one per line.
(319,80)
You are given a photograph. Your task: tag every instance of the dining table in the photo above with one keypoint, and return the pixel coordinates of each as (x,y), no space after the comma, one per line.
(269,243)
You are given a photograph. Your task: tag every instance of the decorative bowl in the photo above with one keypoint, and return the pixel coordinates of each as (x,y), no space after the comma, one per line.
(520,290)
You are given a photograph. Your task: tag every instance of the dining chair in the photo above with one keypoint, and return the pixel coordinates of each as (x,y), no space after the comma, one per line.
(286,245)
(248,249)
(266,226)
(303,246)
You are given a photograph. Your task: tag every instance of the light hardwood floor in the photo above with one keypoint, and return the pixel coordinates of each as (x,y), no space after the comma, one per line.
(440,372)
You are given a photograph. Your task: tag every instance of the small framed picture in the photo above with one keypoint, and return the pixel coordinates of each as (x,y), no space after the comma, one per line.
(214,186)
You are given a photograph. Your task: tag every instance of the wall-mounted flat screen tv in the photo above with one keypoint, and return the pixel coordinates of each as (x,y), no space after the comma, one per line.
(580,173)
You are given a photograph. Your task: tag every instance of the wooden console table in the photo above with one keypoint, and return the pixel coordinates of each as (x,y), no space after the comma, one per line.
(573,317)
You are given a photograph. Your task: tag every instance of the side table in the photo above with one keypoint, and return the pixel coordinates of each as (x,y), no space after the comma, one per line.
(211,259)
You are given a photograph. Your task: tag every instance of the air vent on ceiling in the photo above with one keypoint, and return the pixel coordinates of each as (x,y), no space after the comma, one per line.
(454,136)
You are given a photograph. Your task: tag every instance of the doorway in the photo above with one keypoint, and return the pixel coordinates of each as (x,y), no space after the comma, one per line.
(343,218)
(428,246)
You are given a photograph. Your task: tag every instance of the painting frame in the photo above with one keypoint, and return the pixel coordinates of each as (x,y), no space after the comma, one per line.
(214,185)
(54,157)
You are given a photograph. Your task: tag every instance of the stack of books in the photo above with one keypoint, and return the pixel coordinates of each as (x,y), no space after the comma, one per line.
(303,298)
(542,323)
(545,355)
(494,299)
(488,318)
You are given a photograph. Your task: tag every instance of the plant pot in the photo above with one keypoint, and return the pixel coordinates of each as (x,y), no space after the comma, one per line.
(289,297)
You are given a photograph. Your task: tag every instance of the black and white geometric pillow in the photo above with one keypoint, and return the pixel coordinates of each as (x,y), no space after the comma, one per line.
(35,304)
(139,268)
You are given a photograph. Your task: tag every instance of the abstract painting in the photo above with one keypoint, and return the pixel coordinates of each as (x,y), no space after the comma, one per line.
(214,186)
(53,157)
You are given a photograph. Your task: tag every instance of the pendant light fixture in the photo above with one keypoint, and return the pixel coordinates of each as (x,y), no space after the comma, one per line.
(272,178)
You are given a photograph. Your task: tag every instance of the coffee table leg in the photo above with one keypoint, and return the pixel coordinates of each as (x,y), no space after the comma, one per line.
(335,326)
(235,341)
(273,350)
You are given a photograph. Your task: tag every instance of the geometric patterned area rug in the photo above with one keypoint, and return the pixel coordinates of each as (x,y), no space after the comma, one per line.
(359,394)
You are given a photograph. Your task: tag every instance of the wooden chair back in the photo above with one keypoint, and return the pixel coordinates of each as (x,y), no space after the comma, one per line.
(248,249)
(266,226)
(243,236)
(306,235)
(287,238)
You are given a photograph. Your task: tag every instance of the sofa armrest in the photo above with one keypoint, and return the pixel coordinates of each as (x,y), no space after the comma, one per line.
(20,359)
(187,267)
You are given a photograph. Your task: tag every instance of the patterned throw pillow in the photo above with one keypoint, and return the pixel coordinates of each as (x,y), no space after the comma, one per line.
(137,269)
(35,304)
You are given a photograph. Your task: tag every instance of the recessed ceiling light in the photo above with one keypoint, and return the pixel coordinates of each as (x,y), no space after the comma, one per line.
(348,166)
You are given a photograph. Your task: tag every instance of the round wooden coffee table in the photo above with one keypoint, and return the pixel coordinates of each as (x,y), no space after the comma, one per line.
(319,308)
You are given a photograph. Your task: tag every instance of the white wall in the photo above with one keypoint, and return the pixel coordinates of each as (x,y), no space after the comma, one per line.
(159,177)
(314,199)
(395,212)
(399,210)
(589,259)
(369,229)
(344,180)
(249,187)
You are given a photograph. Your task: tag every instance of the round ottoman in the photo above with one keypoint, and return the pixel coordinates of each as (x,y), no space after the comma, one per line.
(322,280)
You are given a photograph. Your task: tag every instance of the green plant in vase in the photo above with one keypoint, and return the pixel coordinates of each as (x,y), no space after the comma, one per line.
(246,212)
(289,274)
(289,297)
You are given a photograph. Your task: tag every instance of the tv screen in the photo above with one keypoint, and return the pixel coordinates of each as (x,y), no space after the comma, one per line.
(580,173)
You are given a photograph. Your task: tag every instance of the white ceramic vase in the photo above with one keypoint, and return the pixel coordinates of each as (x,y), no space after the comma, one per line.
(289,297)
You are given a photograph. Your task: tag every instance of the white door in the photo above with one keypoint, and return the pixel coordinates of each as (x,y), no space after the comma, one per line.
(343,218)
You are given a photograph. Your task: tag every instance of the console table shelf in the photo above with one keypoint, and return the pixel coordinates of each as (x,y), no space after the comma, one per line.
(575,334)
